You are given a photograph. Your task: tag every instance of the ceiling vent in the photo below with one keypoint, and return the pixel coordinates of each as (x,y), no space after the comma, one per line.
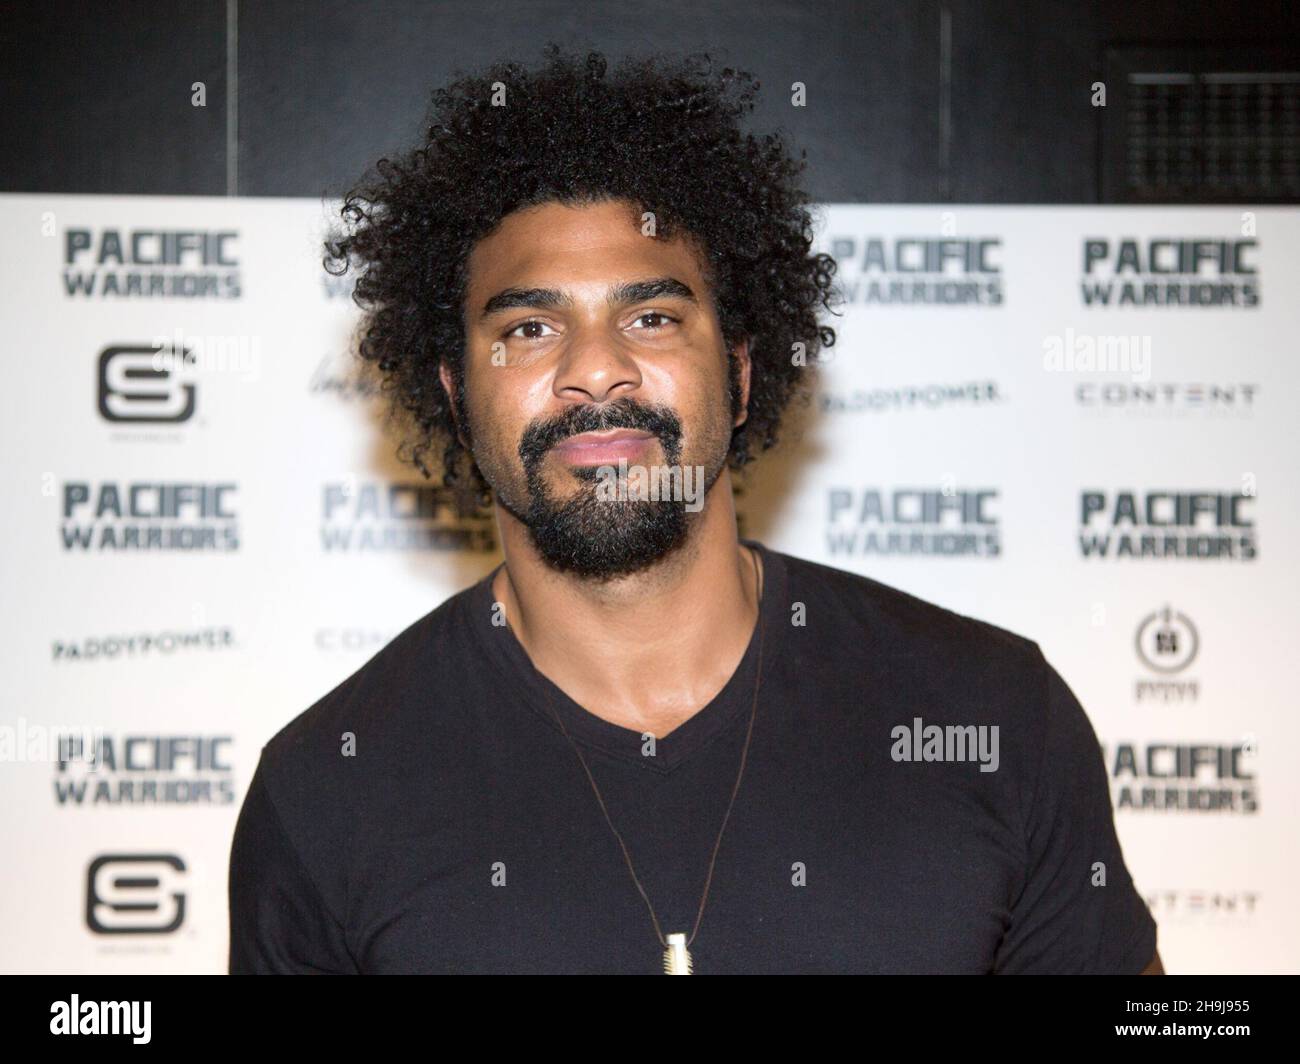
(1201,125)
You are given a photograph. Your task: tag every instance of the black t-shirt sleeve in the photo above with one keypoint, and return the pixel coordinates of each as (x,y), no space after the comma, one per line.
(279,922)
(1065,920)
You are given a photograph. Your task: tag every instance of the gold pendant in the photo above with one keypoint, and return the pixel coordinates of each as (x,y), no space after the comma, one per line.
(677,958)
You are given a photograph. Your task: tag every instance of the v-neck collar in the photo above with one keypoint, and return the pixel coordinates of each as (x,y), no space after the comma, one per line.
(684,741)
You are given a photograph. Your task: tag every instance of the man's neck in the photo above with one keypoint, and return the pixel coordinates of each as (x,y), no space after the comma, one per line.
(646,651)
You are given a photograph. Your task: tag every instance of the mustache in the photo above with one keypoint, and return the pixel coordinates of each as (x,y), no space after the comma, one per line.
(655,418)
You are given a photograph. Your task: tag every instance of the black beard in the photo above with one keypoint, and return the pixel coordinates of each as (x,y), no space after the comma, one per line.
(593,537)
(601,540)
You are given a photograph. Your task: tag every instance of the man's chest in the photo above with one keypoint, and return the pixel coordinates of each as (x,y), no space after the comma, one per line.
(835,870)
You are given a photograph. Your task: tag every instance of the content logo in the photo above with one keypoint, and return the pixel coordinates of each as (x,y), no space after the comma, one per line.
(351,639)
(102,1017)
(1173,399)
(1204,906)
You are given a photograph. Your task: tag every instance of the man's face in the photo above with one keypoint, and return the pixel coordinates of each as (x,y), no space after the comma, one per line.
(589,343)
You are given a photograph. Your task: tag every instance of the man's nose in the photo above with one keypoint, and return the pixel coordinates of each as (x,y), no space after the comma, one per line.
(596,367)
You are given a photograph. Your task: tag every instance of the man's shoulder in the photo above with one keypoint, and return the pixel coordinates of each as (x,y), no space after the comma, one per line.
(904,615)
(892,656)
(889,622)
(378,698)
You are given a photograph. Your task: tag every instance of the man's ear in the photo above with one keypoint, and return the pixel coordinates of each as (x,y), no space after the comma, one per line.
(449,386)
(741,376)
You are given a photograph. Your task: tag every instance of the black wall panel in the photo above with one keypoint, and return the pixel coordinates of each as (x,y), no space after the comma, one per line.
(912,101)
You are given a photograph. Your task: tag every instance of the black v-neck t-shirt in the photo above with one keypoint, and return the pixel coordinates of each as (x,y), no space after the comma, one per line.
(428,814)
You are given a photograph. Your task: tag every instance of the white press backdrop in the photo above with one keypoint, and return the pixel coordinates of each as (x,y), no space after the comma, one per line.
(1072,422)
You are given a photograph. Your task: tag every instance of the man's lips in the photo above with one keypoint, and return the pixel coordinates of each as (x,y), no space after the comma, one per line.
(603,448)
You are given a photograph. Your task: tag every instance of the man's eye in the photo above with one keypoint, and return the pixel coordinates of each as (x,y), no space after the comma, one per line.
(653,319)
(532,330)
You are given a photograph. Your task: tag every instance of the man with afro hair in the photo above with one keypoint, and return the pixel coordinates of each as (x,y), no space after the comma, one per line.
(644,743)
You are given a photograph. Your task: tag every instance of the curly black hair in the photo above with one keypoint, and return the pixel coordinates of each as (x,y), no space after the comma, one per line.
(660,133)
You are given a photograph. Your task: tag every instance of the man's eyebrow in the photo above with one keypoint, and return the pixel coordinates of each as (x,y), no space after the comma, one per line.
(619,295)
(509,298)
(642,291)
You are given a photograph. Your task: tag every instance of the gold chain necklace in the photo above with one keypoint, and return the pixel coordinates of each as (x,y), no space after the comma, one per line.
(677,955)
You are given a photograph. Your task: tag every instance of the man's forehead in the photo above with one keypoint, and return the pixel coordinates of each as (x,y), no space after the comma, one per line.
(588,245)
